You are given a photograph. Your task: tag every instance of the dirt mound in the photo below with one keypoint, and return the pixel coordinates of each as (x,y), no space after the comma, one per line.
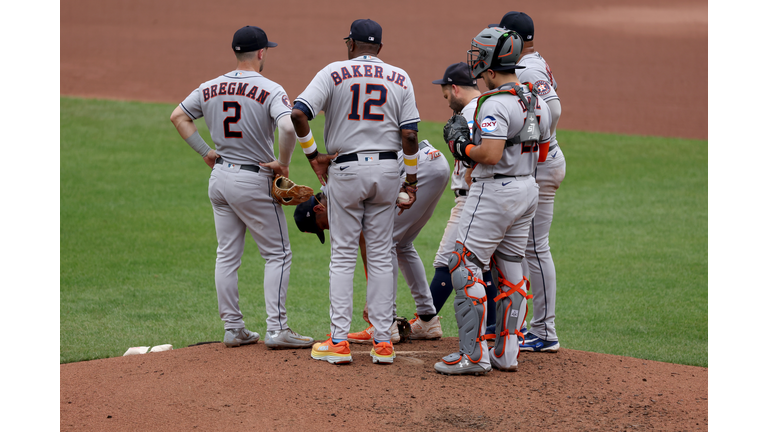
(210,387)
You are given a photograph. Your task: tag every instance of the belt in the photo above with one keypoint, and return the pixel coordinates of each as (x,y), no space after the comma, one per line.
(254,168)
(352,157)
(552,147)
(500,176)
(422,144)
(460,192)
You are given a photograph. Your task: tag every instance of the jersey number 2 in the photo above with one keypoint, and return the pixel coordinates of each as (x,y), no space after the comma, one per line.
(232,120)
(354,113)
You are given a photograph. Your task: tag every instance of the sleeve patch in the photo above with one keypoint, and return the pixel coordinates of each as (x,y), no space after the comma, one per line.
(287,102)
(542,87)
(489,124)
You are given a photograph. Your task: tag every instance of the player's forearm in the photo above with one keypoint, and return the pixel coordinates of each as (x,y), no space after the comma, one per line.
(187,129)
(489,153)
(184,125)
(556,109)
(286,140)
(300,123)
(410,140)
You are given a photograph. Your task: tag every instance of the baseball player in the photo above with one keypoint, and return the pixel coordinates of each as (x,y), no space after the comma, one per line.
(434,173)
(538,263)
(510,124)
(241,109)
(370,114)
(460,90)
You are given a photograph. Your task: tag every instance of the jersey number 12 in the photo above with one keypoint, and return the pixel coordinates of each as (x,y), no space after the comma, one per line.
(354,113)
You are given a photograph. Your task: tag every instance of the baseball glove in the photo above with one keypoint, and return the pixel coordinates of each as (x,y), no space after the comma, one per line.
(286,192)
(456,135)
(404,328)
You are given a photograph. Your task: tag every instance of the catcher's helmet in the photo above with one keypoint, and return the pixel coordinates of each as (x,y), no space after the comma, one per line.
(494,48)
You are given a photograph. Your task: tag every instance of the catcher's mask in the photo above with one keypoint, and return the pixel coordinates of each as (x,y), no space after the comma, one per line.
(494,48)
(304,216)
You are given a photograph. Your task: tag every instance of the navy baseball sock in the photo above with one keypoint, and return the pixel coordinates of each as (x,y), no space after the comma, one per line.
(426,317)
(441,287)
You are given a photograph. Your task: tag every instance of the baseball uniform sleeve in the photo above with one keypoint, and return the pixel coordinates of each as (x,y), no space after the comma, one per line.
(192,105)
(409,113)
(545,122)
(316,95)
(280,105)
(540,80)
(493,124)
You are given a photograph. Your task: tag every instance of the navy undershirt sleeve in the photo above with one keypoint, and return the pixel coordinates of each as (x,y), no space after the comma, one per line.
(303,108)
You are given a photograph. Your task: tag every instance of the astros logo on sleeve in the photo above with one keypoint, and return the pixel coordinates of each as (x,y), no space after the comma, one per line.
(542,87)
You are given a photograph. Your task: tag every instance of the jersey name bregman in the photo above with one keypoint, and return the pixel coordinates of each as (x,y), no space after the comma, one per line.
(236,89)
(368,71)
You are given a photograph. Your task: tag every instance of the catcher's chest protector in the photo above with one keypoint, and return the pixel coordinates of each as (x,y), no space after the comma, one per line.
(530,130)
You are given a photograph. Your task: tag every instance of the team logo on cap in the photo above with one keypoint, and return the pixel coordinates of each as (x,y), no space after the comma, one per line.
(489,124)
(542,87)
(370,38)
(286,101)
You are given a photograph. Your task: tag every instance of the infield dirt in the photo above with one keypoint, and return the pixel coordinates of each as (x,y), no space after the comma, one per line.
(638,67)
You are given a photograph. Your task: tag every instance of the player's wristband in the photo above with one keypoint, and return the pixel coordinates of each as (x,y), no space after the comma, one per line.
(469,149)
(308,144)
(198,144)
(411,163)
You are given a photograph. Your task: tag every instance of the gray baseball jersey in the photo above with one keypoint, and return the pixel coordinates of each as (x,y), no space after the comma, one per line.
(366,101)
(241,109)
(502,117)
(538,73)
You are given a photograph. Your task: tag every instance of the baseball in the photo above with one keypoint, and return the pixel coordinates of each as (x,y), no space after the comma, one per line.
(403,197)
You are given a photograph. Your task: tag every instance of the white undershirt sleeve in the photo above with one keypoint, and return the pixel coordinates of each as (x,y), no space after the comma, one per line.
(286,139)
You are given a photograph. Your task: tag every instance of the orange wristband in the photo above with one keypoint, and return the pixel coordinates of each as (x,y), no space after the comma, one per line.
(468,149)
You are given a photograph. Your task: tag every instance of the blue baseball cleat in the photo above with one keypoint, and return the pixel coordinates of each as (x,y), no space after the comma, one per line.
(535,344)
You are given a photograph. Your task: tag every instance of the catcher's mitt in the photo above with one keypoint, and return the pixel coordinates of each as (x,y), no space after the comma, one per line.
(456,135)
(286,192)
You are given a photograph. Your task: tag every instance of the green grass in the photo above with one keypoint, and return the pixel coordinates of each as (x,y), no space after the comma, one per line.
(138,244)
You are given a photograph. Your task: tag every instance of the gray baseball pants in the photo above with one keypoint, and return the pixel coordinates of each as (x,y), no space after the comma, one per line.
(540,266)
(361,198)
(243,199)
(497,216)
(433,177)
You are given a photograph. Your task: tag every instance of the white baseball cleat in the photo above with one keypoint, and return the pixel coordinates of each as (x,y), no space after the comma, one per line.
(287,338)
(421,329)
(461,367)
(241,336)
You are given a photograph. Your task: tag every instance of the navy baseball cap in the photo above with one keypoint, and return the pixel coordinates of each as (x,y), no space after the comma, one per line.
(304,215)
(519,22)
(457,73)
(365,30)
(250,38)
